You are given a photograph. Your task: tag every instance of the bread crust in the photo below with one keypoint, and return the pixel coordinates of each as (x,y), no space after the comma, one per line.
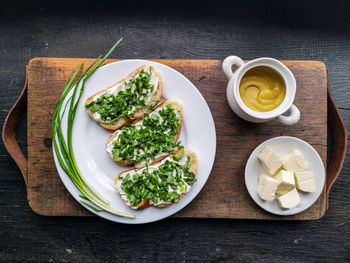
(117,124)
(193,167)
(175,105)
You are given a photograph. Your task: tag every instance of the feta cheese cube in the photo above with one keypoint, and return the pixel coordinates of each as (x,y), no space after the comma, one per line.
(289,200)
(305,181)
(285,181)
(295,162)
(267,187)
(270,161)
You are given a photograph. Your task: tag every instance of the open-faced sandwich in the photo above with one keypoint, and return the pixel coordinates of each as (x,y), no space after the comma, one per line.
(160,184)
(149,139)
(126,100)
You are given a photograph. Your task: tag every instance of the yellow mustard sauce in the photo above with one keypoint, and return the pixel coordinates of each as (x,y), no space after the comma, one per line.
(262,89)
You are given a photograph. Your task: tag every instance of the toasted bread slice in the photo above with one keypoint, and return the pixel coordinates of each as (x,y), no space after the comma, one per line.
(176,106)
(192,167)
(121,121)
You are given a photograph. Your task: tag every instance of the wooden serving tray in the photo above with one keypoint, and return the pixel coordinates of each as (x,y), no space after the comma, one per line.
(224,195)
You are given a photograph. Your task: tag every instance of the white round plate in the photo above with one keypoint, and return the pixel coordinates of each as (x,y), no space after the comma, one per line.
(281,146)
(89,140)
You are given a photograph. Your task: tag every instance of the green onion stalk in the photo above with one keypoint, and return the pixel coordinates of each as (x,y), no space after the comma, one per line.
(63,144)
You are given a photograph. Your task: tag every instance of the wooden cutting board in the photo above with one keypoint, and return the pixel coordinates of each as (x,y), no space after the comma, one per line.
(225,194)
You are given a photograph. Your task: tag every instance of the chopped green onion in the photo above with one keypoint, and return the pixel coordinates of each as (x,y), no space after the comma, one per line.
(110,107)
(165,183)
(153,137)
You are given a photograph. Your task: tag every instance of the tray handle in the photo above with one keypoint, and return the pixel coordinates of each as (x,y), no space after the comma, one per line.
(9,132)
(340,143)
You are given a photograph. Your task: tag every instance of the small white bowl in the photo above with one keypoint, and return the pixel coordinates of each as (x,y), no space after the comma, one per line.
(281,146)
(236,103)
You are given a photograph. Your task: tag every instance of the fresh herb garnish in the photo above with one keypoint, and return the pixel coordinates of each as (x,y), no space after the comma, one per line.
(179,157)
(156,135)
(110,107)
(153,107)
(164,184)
(62,139)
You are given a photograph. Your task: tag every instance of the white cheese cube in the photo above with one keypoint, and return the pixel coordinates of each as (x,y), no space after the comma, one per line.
(285,181)
(267,187)
(295,162)
(270,161)
(305,181)
(289,200)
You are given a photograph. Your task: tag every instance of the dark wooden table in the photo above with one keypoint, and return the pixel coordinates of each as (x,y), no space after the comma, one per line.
(156,29)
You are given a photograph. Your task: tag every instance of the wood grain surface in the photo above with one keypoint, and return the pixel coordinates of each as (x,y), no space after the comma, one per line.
(225,194)
(286,30)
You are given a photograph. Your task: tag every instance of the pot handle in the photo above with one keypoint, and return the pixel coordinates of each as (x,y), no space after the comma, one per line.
(9,132)
(228,63)
(293,117)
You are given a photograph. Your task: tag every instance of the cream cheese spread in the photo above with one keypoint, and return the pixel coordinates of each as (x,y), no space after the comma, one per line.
(114,90)
(180,189)
(110,145)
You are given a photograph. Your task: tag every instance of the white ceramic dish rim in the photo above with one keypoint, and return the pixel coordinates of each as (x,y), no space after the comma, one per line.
(279,211)
(75,192)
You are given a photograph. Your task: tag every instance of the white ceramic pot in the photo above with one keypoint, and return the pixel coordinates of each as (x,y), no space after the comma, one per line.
(235,100)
